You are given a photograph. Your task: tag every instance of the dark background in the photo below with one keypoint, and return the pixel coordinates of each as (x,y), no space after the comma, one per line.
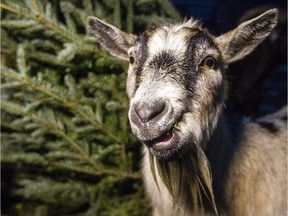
(222,15)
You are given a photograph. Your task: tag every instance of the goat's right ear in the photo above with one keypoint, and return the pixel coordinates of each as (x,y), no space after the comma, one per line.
(111,38)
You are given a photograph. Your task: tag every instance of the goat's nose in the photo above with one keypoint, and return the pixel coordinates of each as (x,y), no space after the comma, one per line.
(149,111)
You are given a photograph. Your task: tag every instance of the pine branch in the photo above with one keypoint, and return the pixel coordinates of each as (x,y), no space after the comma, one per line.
(63,32)
(47,126)
(36,159)
(100,173)
(48,58)
(71,104)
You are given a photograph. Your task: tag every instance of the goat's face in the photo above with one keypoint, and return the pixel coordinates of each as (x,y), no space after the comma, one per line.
(175,87)
(175,78)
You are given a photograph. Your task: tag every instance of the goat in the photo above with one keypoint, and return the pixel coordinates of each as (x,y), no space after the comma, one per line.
(194,161)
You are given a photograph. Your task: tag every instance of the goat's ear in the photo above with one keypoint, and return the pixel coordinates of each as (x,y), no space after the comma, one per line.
(111,38)
(242,40)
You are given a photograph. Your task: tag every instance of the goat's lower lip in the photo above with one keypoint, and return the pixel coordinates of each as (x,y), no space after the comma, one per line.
(165,142)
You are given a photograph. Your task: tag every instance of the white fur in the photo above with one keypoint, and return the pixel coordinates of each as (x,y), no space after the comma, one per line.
(170,38)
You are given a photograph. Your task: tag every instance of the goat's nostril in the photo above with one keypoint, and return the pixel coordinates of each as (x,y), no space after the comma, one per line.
(147,112)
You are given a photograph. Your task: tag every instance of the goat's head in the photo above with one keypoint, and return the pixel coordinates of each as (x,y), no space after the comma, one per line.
(175,78)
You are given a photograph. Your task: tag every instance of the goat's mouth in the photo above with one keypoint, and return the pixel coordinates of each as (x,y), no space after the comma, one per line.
(166,144)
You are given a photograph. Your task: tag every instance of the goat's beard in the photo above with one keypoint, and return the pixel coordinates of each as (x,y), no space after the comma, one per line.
(187,178)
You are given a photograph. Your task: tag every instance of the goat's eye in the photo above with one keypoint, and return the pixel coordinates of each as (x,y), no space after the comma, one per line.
(132,55)
(132,60)
(209,62)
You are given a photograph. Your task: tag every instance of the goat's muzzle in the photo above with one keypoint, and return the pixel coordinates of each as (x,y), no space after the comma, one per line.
(150,113)
(152,122)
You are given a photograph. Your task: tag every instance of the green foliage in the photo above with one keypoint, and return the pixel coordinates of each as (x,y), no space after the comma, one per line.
(65,137)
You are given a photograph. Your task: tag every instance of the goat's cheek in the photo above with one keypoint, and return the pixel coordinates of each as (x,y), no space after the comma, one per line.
(130,84)
(191,127)
(210,82)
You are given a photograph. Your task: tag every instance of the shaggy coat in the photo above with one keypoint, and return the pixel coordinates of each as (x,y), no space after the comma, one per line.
(195,161)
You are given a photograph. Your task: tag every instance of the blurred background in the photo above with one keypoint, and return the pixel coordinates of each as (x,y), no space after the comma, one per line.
(66,145)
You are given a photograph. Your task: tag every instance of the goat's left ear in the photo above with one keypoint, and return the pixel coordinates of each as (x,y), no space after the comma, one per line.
(236,44)
(111,38)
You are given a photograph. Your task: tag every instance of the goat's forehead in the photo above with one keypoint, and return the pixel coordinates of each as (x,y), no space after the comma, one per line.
(167,39)
(173,38)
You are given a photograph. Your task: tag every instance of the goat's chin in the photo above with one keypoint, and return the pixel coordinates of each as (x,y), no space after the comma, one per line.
(169,147)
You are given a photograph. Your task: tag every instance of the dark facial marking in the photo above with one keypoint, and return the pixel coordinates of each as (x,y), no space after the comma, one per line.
(141,54)
(201,38)
(163,61)
(194,57)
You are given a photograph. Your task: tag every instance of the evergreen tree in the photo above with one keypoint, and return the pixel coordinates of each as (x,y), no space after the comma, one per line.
(66,142)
